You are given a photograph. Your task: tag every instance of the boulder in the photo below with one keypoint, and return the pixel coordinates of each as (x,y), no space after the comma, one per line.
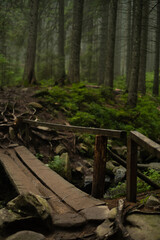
(60,149)
(25,212)
(26,235)
(144,226)
(112,214)
(96,213)
(152,202)
(120,173)
(103,229)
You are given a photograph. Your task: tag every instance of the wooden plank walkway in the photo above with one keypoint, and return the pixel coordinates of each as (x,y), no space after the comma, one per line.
(70,206)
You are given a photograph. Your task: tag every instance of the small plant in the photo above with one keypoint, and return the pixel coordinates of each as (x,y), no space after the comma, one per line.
(57,165)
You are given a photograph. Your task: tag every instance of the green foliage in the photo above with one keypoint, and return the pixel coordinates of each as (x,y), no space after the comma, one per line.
(92,107)
(57,165)
(120,189)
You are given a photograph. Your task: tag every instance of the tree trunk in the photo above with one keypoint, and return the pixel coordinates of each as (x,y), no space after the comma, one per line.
(74,62)
(109,76)
(104,5)
(29,69)
(157,52)
(61,42)
(143,49)
(129,42)
(133,83)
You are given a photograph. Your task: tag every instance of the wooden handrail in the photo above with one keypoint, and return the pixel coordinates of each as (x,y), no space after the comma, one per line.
(149,145)
(136,139)
(95,131)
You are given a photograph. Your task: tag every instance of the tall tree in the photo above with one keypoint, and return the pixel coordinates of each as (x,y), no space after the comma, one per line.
(74,61)
(104,7)
(109,76)
(61,43)
(133,83)
(143,48)
(29,69)
(157,53)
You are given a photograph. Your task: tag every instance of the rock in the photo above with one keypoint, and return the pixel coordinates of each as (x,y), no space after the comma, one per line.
(60,149)
(26,235)
(35,105)
(68,220)
(103,229)
(120,173)
(88,163)
(121,151)
(67,167)
(152,202)
(11,133)
(112,214)
(110,165)
(25,210)
(96,213)
(144,226)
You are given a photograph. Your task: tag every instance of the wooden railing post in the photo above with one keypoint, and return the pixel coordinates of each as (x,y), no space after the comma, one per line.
(100,156)
(131,170)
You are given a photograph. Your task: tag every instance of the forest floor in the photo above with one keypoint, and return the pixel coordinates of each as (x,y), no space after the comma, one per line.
(20,102)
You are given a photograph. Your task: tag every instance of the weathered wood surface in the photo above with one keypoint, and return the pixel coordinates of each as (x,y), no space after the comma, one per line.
(149,145)
(28,174)
(17,177)
(95,131)
(131,171)
(99,169)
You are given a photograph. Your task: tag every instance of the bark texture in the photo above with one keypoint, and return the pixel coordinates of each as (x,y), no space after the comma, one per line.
(133,83)
(29,69)
(74,62)
(157,52)
(104,5)
(61,42)
(109,76)
(143,49)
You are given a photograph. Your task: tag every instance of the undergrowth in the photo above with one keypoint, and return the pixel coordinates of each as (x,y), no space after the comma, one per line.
(97,107)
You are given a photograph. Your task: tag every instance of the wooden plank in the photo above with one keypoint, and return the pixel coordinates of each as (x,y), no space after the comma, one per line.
(57,205)
(17,177)
(149,145)
(131,170)
(95,131)
(74,197)
(99,169)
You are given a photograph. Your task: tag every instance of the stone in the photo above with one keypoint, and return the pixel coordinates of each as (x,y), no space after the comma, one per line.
(35,105)
(96,213)
(60,149)
(120,173)
(144,226)
(103,229)
(25,209)
(112,214)
(67,166)
(11,133)
(26,235)
(152,201)
(121,151)
(68,220)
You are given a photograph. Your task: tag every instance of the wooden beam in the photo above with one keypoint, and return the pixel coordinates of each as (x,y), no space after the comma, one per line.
(70,128)
(149,145)
(131,170)
(99,169)
(139,174)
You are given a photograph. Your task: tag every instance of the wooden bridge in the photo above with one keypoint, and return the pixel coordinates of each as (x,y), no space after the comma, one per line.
(70,206)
